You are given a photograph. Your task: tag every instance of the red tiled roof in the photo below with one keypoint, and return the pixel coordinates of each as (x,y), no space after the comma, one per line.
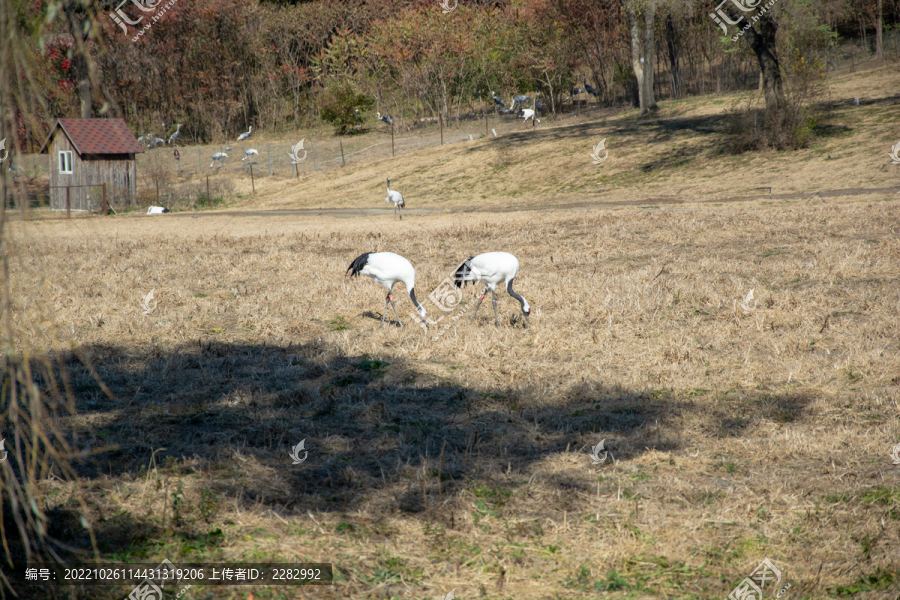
(97,136)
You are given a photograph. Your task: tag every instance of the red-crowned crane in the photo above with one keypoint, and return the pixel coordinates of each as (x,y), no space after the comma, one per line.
(395,197)
(491,268)
(175,135)
(217,157)
(387,269)
(244,136)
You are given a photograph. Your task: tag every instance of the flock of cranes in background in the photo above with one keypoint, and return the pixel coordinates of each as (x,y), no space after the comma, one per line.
(519,101)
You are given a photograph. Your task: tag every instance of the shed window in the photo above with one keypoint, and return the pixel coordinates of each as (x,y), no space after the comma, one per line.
(65,161)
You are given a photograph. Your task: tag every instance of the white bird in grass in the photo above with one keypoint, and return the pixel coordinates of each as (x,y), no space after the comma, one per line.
(386,118)
(156,142)
(244,136)
(526,114)
(175,135)
(217,157)
(491,268)
(249,153)
(395,197)
(228,146)
(145,139)
(387,269)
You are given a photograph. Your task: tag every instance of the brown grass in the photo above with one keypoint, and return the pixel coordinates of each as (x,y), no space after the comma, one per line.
(462,463)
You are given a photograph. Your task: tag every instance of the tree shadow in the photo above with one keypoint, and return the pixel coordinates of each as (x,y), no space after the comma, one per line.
(369,424)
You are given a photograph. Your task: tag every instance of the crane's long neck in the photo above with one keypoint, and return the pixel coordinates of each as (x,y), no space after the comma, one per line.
(522,301)
(412,296)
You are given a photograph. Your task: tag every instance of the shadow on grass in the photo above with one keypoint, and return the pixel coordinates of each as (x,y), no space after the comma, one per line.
(232,412)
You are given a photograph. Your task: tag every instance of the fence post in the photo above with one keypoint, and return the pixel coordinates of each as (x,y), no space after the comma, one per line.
(68,204)
(105,205)
(269,155)
(392,140)
(341,140)
(207,191)
(441,119)
(199,160)
(253,185)
(313,150)
(157,191)
(486,130)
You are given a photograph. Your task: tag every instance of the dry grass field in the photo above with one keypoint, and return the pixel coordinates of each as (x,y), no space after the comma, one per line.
(738,428)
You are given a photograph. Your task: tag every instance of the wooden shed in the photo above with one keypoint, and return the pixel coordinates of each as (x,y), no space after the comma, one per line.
(86,153)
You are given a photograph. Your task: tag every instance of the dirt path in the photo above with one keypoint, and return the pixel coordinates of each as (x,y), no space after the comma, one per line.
(589,204)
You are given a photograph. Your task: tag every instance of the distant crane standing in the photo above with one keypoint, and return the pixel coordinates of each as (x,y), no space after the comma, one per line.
(491,268)
(249,153)
(387,269)
(156,142)
(217,158)
(386,118)
(395,197)
(175,135)
(244,136)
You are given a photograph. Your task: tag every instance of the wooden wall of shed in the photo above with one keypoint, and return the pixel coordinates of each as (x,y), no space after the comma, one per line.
(77,196)
(118,171)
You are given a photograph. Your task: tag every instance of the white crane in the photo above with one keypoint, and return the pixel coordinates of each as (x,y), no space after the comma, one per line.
(491,268)
(244,136)
(228,146)
(387,269)
(249,153)
(217,157)
(527,113)
(386,118)
(145,139)
(395,197)
(153,143)
(175,135)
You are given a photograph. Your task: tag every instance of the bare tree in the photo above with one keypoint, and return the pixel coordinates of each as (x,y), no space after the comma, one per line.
(761,38)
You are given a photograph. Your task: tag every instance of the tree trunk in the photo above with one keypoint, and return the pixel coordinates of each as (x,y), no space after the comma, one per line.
(649,54)
(879,43)
(674,46)
(642,45)
(80,67)
(762,41)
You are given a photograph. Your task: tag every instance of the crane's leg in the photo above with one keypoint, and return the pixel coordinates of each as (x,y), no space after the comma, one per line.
(400,212)
(494,302)
(384,312)
(480,298)
(395,311)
